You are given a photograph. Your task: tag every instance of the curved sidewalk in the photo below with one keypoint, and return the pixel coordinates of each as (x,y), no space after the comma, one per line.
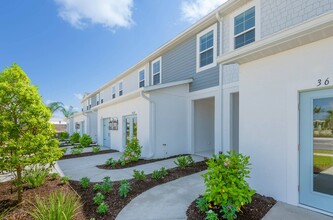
(86,167)
(166,201)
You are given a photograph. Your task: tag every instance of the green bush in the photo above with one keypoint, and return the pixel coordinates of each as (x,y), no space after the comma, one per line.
(111,162)
(58,206)
(96,149)
(102,208)
(132,151)
(105,186)
(35,176)
(184,161)
(229,212)
(139,175)
(63,135)
(159,174)
(124,188)
(202,204)
(74,138)
(98,198)
(64,180)
(54,176)
(76,151)
(225,180)
(85,182)
(211,215)
(85,140)
(64,150)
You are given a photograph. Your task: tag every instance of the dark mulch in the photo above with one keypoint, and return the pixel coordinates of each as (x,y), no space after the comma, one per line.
(133,164)
(8,199)
(71,156)
(256,210)
(116,204)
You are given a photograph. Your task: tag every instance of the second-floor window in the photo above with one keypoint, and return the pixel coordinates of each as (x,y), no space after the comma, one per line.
(120,88)
(207,48)
(97,98)
(141,78)
(113,92)
(244,28)
(156,71)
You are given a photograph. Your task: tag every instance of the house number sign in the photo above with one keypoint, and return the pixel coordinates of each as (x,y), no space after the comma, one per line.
(321,82)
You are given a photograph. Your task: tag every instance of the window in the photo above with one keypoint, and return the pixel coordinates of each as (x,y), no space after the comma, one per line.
(156,70)
(113,92)
(120,86)
(141,78)
(207,48)
(97,98)
(90,103)
(244,28)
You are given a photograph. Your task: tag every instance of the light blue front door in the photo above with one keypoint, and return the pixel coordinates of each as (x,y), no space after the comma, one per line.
(316,149)
(106,133)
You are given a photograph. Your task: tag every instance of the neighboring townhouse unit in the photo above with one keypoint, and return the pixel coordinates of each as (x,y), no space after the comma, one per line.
(253,76)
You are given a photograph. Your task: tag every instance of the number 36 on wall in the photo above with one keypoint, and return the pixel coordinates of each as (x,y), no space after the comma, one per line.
(321,82)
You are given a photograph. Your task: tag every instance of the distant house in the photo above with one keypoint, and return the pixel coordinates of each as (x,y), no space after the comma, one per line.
(243,78)
(59,125)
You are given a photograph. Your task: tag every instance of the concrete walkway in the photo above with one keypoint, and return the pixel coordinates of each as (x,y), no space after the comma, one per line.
(86,167)
(166,201)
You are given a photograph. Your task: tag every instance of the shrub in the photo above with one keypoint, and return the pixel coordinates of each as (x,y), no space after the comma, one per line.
(184,161)
(102,208)
(202,204)
(97,187)
(85,182)
(225,180)
(76,151)
(229,212)
(63,135)
(124,188)
(74,138)
(98,198)
(54,176)
(132,151)
(64,180)
(105,186)
(64,150)
(211,215)
(85,140)
(96,149)
(111,162)
(58,206)
(159,174)
(139,175)
(35,176)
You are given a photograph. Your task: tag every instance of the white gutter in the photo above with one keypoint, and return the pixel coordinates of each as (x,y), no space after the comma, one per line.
(152,127)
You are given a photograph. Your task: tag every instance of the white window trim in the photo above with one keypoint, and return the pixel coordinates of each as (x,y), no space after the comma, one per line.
(144,77)
(257,26)
(122,83)
(113,92)
(151,70)
(214,29)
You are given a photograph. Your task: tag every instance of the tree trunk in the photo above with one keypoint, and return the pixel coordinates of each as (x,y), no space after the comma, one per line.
(19,184)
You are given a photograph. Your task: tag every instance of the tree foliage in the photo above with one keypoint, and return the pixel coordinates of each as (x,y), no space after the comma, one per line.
(55,106)
(26,135)
(68,112)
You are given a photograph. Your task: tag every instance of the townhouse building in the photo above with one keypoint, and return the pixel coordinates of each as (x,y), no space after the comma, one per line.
(253,76)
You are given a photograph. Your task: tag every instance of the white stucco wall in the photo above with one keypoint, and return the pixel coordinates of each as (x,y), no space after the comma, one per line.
(79,119)
(269,90)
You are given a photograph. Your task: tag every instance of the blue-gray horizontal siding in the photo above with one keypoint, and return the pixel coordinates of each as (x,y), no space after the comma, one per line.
(180,63)
(277,15)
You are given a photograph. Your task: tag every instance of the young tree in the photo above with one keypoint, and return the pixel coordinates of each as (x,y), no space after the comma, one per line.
(26,135)
(68,112)
(55,106)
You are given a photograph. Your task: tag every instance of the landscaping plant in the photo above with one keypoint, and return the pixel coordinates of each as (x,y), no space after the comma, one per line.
(211,215)
(111,162)
(26,135)
(184,161)
(77,150)
(96,149)
(64,150)
(202,204)
(74,138)
(124,188)
(63,135)
(139,175)
(226,181)
(85,182)
(229,212)
(58,206)
(98,198)
(54,176)
(105,186)
(159,174)
(85,140)
(35,176)
(132,152)
(64,180)
(102,208)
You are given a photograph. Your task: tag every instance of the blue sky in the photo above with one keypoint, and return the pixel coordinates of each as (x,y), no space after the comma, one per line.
(68,47)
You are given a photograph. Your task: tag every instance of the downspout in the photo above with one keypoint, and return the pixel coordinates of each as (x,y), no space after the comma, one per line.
(220,20)
(152,127)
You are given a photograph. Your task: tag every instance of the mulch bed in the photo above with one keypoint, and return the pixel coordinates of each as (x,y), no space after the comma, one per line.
(133,164)
(256,210)
(8,199)
(71,156)
(116,203)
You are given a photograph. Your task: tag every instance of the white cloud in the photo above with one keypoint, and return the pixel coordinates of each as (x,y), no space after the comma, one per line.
(193,10)
(109,13)
(78,95)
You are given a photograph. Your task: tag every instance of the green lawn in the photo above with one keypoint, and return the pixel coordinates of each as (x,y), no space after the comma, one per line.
(324,151)
(322,163)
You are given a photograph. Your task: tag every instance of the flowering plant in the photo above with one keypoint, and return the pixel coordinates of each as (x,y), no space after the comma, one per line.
(132,151)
